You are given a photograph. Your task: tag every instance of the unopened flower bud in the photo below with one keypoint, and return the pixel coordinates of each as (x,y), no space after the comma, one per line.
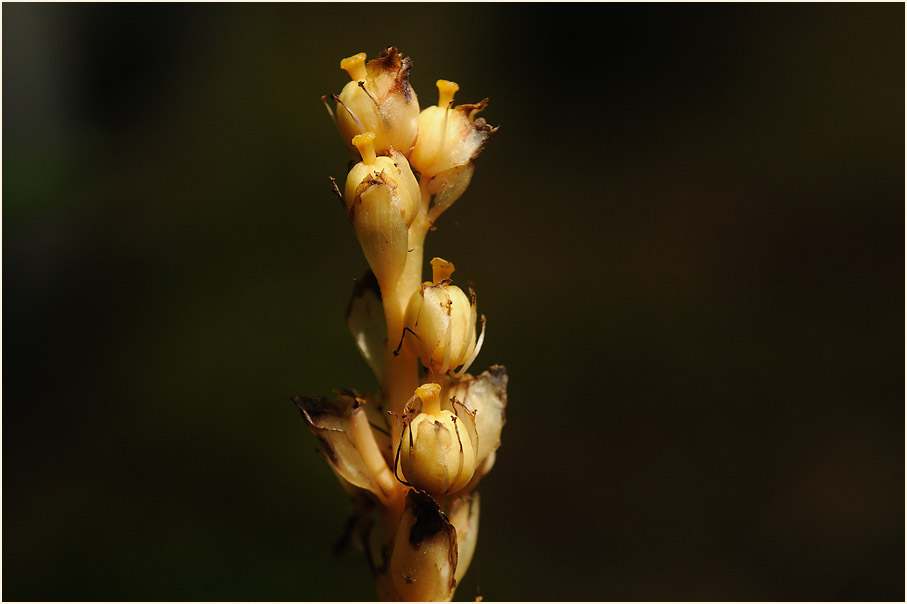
(382,198)
(438,448)
(379,99)
(448,136)
(440,322)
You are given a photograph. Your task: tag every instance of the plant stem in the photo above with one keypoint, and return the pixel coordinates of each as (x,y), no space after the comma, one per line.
(401,370)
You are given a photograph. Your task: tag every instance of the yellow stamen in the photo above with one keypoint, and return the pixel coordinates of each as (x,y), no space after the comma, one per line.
(446,91)
(365,142)
(429,393)
(355,66)
(441,269)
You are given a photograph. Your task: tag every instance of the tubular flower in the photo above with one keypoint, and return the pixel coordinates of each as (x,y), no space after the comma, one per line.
(440,323)
(437,453)
(381,198)
(379,99)
(449,136)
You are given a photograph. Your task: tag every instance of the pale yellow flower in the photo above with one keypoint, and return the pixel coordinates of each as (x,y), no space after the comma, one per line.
(379,99)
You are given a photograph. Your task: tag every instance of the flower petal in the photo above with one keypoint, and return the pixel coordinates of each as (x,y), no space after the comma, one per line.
(487,396)
(424,561)
(448,186)
(381,230)
(464,515)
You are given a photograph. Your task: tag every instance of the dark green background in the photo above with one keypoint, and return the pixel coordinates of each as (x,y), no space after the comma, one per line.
(687,235)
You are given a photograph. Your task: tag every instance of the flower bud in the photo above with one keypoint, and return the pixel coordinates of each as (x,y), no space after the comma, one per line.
(440,322)
(382,199)
(448,136)
(437,452)
(379,99)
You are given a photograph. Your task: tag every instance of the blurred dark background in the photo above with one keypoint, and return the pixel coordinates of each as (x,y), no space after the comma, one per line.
(688,238)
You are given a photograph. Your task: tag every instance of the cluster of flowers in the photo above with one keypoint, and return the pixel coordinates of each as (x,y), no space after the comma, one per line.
(411,454)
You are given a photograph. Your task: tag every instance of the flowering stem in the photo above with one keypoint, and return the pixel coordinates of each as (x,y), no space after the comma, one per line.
(415,164)
(401,370)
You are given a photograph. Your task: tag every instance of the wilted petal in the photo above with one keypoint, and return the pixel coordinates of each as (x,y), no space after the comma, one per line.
(328,419)
(379,99)
(464,515)
(365,318)
(475,139)
(399,108)
(449,135)
(487,396)
(448,186)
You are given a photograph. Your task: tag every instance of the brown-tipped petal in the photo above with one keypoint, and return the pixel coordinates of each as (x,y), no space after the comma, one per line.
(381,99)
(464,515)
(390,72)
(471,142)
(365,318)
(449,137)
(424,560)
(328,419)
(487,396)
